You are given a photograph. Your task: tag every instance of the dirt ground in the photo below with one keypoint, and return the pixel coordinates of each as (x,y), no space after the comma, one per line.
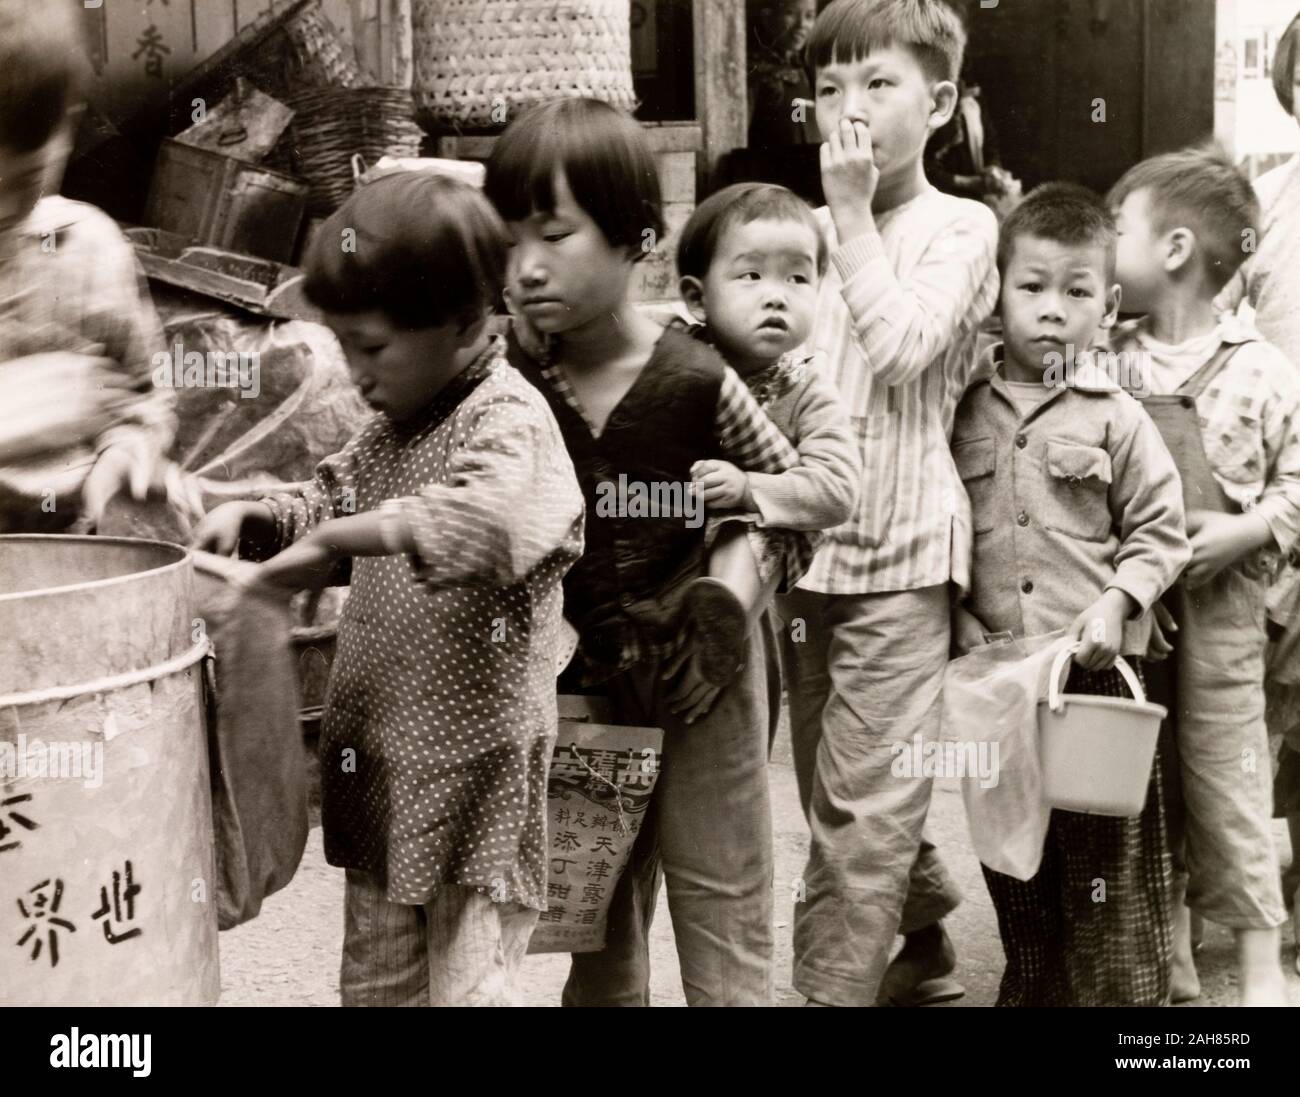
(289,955)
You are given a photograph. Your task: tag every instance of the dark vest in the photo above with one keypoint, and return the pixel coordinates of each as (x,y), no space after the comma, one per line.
(633,564)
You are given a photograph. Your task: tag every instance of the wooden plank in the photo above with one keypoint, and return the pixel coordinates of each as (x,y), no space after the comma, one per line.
(94,27)
(146,47)
(366,35)
(655,277)
(1012,47)
(721,104)
(669,137)
(385,15)
(248,11)
(1098,69)
(677,176)
(1178,73)
(403,51)
(674,136)
(214,25)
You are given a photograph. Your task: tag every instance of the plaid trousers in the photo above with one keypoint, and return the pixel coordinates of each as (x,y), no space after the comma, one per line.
(1093,927)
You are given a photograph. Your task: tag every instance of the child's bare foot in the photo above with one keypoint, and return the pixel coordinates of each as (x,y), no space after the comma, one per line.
(918,975)
(1261,982)
(721,626)
(1184,983)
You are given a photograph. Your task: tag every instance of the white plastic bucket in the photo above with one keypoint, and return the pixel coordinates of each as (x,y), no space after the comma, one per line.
(1096,752)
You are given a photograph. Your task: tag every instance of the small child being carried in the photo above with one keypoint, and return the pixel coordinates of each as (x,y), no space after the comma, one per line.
(750,260)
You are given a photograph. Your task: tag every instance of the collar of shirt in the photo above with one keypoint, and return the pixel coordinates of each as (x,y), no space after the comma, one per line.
(1084,375)
(780,377)
(450,397)
(1177,362)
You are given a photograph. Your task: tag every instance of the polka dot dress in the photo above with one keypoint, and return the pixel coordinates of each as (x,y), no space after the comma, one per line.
(440,717)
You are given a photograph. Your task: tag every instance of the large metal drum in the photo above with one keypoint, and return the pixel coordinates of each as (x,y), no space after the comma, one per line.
(107,873)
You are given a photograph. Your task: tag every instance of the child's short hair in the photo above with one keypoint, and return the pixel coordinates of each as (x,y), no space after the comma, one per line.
(740,204)
(423,248)
(42,70)
(606,162)
(1288,49)
(1064,213)
(849,30)
(1201,189)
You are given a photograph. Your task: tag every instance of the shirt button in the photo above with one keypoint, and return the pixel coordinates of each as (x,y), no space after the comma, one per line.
(1189,402)
(1027,586)
(625,600)
(1021,441)
(1022,519)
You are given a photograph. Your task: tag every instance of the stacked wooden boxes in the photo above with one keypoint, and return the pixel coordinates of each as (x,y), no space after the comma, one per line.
(675,145)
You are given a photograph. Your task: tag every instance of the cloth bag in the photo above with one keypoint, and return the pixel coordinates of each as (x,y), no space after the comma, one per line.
(991,696)
(258,762)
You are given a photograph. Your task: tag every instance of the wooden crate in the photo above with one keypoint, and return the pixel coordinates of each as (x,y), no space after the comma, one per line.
(225,203)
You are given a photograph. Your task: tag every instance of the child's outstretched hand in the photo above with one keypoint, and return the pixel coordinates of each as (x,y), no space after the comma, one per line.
(1100,629)
(222,527)
(722,485)
(849,178)
(305,565)
(693,695)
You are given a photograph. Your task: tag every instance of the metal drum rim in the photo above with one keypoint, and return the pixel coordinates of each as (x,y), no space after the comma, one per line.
(94,584)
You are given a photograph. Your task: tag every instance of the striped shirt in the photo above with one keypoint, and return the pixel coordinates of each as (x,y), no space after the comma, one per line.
(897,319)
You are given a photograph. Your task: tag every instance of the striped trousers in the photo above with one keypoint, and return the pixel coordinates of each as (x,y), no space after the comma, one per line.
(458,949)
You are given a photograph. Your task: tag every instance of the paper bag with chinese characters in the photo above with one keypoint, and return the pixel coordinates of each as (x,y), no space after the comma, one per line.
(601,779)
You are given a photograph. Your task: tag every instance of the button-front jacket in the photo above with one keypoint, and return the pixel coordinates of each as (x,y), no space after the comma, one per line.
(1075,497)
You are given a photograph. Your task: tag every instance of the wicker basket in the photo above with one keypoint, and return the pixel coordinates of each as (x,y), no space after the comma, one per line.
(304,51)
(331,125)
(479,62)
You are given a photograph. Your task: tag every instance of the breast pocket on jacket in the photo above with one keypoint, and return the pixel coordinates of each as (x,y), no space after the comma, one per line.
(877,437)
(976,463)
(1077,502)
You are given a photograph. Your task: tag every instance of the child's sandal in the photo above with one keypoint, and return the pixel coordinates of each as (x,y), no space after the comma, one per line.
(721,627)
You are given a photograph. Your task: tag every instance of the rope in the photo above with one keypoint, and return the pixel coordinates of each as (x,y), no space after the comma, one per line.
(111,683)
(618,794)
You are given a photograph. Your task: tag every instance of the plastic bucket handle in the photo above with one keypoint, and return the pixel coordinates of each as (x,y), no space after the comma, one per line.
(1060,664)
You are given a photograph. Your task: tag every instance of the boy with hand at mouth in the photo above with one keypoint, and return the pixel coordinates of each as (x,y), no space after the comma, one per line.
(750,259)
(1226,402)
(911,279)
(1078,525)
